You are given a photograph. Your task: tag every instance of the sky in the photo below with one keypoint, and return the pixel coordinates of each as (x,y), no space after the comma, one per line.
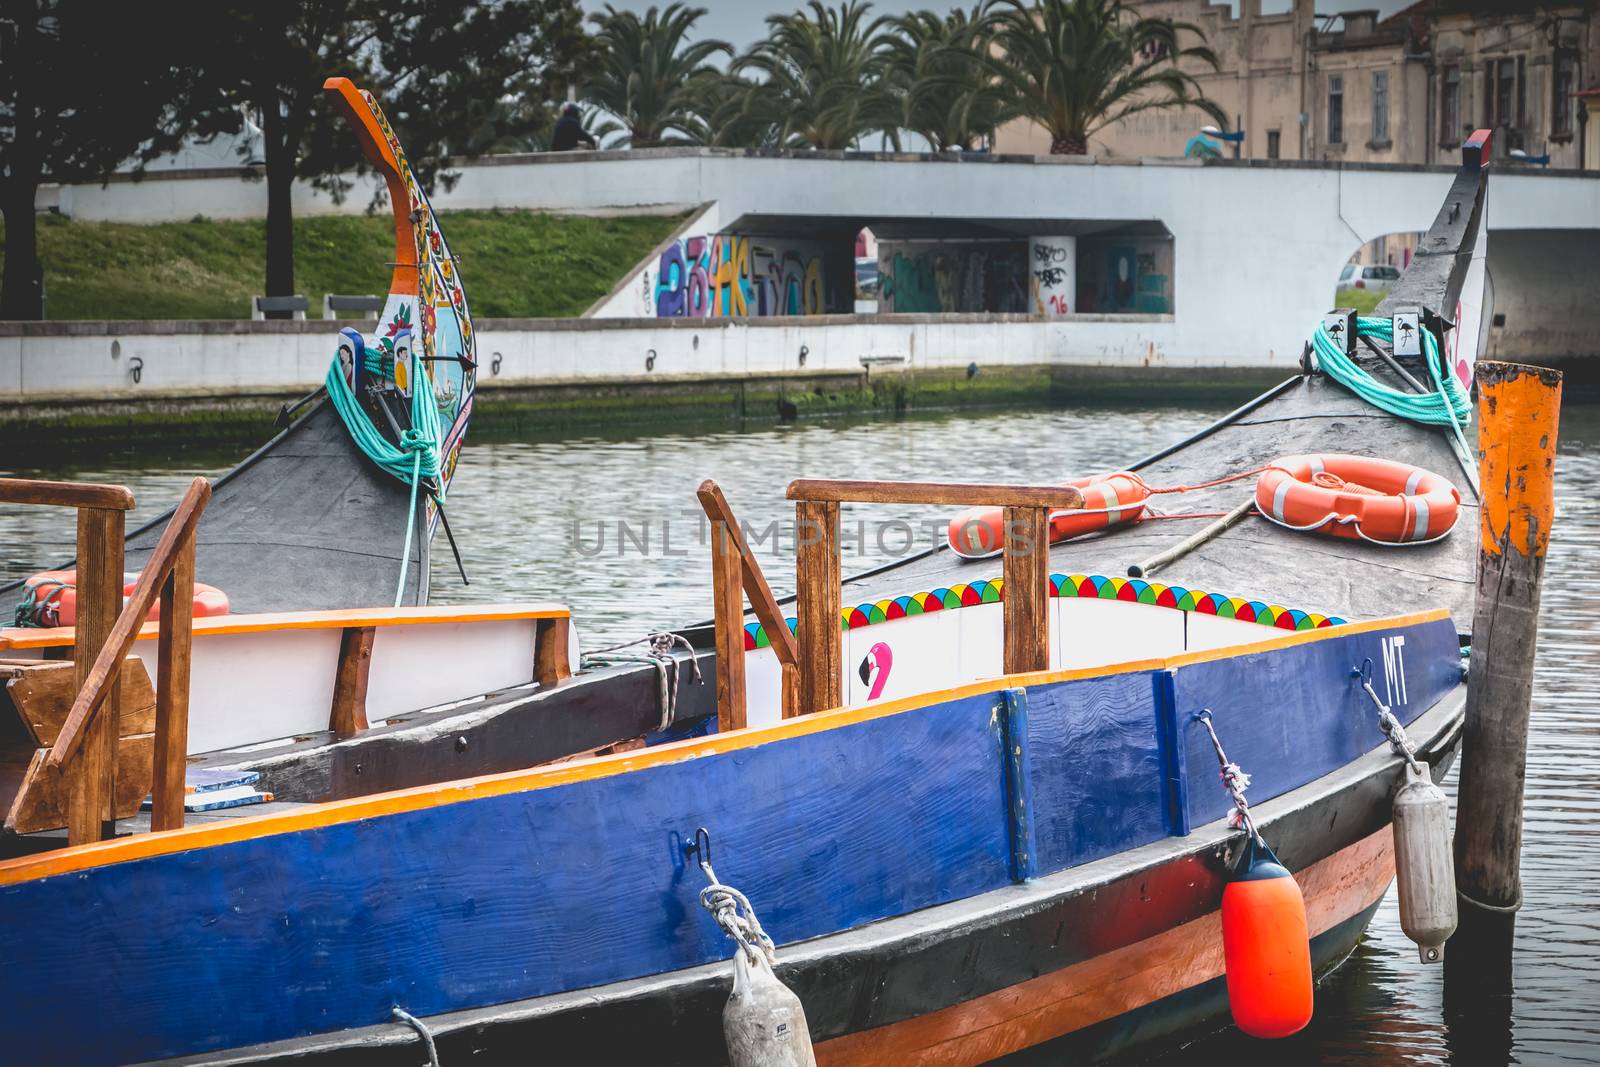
(744,21)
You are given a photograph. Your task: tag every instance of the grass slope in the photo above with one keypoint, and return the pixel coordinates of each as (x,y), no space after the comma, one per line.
(515,263)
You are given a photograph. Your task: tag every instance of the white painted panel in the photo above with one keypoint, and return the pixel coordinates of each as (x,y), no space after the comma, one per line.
(253,687)
(982,637)
(913,655)
(763,687)
(1097,633)
(419,666)
(1208,631)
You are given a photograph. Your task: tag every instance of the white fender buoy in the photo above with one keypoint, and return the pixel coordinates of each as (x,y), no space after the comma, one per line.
(764,1022)
(1425,876)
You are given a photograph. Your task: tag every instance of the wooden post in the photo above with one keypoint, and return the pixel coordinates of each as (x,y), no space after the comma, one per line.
(727,586)
(550,664)
(91,776)
(1026,572)
(818,597)
(172,692)
(1518,413)
(762,602)
(348,713)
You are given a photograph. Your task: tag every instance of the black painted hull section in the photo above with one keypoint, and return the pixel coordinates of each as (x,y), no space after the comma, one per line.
(306,523)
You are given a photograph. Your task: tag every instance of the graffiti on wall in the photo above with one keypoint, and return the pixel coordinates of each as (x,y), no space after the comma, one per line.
(952,276)
(723,275)
(1054,275)
(1125,275)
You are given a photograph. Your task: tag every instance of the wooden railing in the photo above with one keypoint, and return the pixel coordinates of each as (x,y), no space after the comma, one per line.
(84,752)
(102,511)
(818,571)
(736,574)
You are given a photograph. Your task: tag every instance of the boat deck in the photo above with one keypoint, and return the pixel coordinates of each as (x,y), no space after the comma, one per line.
(1256,559)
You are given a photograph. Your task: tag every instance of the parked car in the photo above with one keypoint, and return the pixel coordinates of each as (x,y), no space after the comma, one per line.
(1357,276)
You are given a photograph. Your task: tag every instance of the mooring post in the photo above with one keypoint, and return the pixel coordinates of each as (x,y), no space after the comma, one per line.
(1518,411)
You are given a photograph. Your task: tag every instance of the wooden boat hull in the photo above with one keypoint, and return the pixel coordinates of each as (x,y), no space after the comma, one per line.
(911,856)
(1084,964)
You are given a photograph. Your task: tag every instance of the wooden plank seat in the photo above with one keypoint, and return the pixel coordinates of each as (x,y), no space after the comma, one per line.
(35,697)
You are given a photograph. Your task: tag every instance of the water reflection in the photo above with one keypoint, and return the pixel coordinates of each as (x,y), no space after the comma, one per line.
(515,505)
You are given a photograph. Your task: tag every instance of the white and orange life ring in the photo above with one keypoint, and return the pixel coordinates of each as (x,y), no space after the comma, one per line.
(55,598)
(1359,498)
(1108,500)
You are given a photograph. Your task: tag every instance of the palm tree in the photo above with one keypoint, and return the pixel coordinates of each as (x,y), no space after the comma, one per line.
(1075,66)
(652,76)
(820,78)
(936,63)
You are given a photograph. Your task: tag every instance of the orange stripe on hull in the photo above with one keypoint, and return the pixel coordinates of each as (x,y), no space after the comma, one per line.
(1052,1005)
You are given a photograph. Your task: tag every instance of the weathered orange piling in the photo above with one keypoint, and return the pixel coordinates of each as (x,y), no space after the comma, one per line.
(1519,410)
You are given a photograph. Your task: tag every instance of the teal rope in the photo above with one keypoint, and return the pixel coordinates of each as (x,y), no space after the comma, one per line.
(1447,407)
(417,456)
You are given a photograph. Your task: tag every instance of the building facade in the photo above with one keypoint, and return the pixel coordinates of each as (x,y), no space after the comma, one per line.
(1406,89)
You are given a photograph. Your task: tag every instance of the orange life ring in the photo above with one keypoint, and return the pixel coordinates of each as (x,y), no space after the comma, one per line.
(1359,498)
(56,598)
(1108,500)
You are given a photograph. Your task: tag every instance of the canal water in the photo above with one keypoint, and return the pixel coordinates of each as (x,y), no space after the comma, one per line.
(609,525)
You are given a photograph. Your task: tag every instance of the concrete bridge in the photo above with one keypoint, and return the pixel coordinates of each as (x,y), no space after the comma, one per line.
(1158,264)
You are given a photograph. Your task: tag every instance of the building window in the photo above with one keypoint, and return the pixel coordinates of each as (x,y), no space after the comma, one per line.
(1566,78)
(1380,107)
(1504,74)
(1335,109)
(1272,144)
(1450,106)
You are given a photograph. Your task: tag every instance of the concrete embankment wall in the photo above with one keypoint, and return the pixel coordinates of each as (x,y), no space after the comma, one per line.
(79,381)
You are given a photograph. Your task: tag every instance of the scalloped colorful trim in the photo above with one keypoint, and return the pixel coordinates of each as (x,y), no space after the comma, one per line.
(1133,590)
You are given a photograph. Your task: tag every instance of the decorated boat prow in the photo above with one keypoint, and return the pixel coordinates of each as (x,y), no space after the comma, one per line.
(339,509)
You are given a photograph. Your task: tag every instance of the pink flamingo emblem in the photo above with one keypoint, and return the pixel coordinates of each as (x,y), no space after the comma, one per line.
(874,669)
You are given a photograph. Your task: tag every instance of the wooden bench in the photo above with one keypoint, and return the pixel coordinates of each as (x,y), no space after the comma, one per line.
(35,697)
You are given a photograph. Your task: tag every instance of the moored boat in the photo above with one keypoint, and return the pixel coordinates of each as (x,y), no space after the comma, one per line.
(978,815)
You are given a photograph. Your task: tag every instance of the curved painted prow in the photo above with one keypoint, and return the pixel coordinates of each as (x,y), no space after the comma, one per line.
(1448,275)
(372,133)
(426,296)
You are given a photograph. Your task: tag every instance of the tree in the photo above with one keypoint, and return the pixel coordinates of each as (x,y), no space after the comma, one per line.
(938,68)
(84,87)
(820,78)
(455,78)
(1075,66)
(652,80)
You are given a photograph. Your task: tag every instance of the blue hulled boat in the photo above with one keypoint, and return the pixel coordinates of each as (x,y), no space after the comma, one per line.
(980,819)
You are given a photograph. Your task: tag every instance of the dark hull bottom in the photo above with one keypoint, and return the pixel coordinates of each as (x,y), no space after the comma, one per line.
(1197,1009)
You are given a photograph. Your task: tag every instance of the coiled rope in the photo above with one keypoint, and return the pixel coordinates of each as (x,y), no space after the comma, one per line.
(1449,406)
(415,457)
(660,655)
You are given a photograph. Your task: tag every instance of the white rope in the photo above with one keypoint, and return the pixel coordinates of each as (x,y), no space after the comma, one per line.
(400,1015)
(1234,781)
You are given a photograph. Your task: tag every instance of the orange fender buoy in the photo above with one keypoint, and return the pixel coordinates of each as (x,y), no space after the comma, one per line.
(1108,500)
(56,598)
(1266,946)
(1359,498)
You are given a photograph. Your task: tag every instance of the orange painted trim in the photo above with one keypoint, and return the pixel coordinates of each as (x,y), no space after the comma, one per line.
(218,625)
(375,146)
(418,798)
(1306,637)
(1030,1013)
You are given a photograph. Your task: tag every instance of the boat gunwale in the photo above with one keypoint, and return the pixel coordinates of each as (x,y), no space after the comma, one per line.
(313,816)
